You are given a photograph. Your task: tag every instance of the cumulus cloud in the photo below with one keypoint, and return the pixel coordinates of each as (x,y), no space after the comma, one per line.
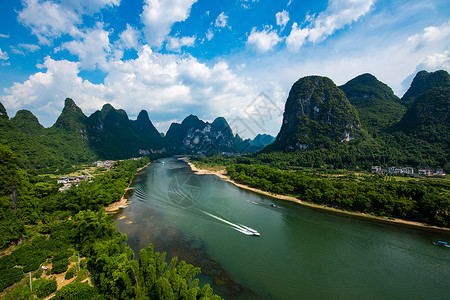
(430,35)
(130,37)
(263,40)
(175,44)
(160,15)
(51,19)
(338,14)
(47,20)
(221,20)
(436,61)
(91,46)
(153,81)
(282,18)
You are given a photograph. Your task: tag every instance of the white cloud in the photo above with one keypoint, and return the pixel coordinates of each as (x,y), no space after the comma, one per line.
(91,46)
(3,55)
(282,18)
(221,20)
(338,14)
(20,48)
(159,16)
(430,35)
(436,61)
(175,43)
(4,35)
(47,20)
(209,34)
(247,3)
(263,40)
(297,37)
(29,47)
(130,37)
(167,83)
(51,19)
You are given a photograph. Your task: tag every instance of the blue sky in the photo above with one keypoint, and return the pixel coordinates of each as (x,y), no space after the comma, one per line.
(235,58)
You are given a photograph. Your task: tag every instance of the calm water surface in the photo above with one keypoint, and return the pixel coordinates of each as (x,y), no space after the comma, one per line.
(301,254)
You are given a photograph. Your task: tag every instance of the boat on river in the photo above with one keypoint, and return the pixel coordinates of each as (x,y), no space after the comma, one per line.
(442,244)
(249,231)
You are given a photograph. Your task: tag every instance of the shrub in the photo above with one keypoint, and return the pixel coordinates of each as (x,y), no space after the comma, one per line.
(38,273)
(71,272)
(9,277)
(76,291)
(44,287)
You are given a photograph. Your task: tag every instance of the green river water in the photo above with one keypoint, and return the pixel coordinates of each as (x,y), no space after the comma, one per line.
(302,253)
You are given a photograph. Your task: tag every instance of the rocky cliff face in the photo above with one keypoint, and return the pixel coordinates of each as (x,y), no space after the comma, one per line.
(3,113)
(317,113)
(193,136)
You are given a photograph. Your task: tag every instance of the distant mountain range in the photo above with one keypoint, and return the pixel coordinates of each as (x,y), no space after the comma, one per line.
(109,134)
(361,120)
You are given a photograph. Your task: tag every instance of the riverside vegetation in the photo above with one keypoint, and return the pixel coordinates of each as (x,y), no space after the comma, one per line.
(425,200)
(54,227)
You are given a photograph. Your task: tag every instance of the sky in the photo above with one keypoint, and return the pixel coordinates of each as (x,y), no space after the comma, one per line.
(232,58)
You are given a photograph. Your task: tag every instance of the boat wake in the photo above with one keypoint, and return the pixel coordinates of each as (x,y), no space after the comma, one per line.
(238,227)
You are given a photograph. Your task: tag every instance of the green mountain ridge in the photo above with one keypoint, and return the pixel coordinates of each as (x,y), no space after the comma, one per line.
(322,125)
(377,106)
(317,114)
(424,81)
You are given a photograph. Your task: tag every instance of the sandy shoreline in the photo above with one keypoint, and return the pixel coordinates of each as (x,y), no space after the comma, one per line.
(222,175)
(123,202)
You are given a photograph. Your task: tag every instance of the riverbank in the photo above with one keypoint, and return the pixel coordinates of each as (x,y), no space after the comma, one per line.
(123,202)
(392,221)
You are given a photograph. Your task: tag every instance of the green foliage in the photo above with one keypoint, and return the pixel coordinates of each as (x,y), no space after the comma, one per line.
(76,291)
(174,281)
(60,263)
(20,292)
(317,115)
(414,200)
(44,287)
(89,230)
(377,106)
(9,276)
(71,272)
(28,256)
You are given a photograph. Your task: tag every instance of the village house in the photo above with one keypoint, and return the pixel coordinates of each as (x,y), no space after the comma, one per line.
(69,181)
(107,164)
(408,170)
(425,172)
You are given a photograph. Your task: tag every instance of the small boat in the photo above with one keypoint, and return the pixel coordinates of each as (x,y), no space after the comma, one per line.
(442,244)
(272,205)
(249,231)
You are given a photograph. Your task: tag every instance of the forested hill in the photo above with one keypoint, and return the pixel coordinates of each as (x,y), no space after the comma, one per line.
(377,106)
(321,126)
(57,228)
(317,114)
(109,134)
(360,124)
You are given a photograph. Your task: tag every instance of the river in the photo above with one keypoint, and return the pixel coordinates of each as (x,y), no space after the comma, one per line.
(301,253)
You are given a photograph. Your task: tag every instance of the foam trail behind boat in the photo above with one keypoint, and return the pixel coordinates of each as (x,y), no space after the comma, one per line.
(241,228)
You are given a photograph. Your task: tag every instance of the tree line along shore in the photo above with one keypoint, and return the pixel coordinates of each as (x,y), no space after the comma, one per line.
(47,235)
